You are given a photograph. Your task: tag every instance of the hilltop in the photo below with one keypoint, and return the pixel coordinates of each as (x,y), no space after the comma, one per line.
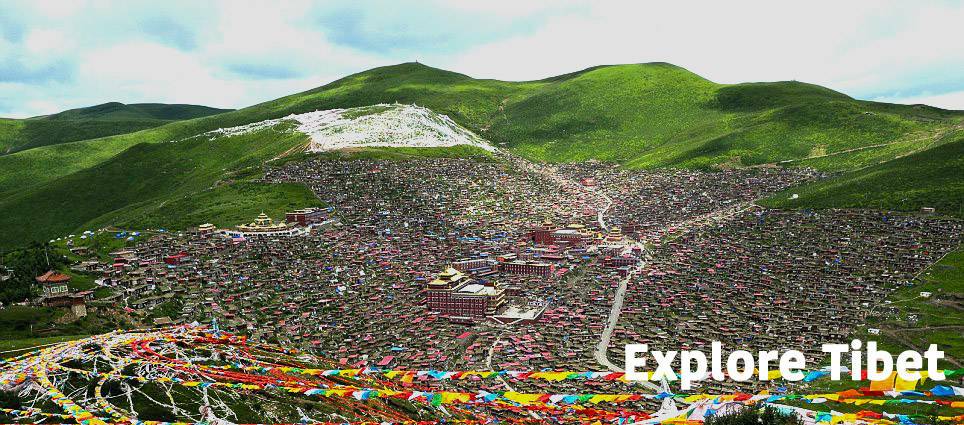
(643,115)
(92,122)
(211,177)
(931,178)
(640,116)
(382,125)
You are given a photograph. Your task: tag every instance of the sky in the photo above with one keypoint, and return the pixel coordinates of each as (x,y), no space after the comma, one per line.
(59,55)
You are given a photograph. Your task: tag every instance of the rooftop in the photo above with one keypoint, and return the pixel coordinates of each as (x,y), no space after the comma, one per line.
(478,289)
(450,275)
(53,277)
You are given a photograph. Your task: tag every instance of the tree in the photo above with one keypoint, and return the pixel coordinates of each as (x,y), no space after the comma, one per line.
(750,416)
(26,264)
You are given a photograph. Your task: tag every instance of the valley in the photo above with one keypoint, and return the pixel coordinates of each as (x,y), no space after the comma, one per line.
(422,224)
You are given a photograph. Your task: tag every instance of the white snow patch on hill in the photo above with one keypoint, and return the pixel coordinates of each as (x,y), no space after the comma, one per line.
(377,125)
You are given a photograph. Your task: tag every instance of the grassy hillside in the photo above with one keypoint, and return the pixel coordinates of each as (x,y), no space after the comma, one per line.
(25,170)
(225,206)
(643,115)
(119,111)
(23,326)
(143,177)
(790,121)
(932,178)
(611,113)
(394,154)
(938,319)
(92,122)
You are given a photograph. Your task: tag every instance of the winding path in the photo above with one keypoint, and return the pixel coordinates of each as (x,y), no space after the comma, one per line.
(601,353)
(602,348)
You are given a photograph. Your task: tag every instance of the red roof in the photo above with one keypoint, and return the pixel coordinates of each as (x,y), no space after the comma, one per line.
(53,277)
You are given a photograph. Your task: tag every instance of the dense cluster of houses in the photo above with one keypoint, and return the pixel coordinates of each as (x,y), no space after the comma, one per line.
(56,293)
(459,264)
(653,203)
(778,280)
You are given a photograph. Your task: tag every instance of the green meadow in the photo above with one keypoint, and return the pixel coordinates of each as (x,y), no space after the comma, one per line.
(639,115)
(92,122)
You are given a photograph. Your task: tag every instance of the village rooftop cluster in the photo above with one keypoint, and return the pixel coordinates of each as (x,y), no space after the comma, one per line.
(469,264)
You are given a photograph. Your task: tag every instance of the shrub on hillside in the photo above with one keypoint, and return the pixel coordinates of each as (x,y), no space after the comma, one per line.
(749,416)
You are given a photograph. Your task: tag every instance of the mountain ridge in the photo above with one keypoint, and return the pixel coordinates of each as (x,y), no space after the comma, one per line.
(91,122)
(161,111)
(640,116)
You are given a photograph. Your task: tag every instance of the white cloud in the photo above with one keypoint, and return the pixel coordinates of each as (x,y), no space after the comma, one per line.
(236,53)
(734,48)
(952,100)
(507,8)
(856,47)
(146,70)
(47,41)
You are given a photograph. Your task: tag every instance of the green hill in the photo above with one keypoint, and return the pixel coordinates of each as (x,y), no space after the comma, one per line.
(140,181)
(92,122)
(120,111)
(642,115)
(932,178)
(646,115)
(225,205)
(184,182)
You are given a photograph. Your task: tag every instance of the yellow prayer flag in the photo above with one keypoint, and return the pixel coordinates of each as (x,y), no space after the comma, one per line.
(694,398)
(596,399)
(348,372)
(884,385)
(453,397)
(521,398)
(848,418)
(902,384)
